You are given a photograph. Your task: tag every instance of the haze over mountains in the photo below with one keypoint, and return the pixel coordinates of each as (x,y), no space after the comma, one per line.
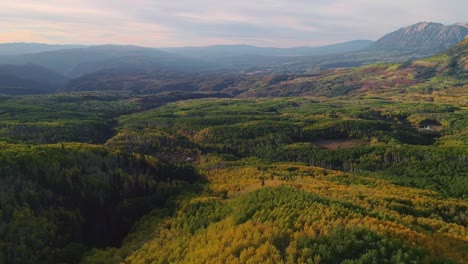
(80,61)
(219,51)
(108,63)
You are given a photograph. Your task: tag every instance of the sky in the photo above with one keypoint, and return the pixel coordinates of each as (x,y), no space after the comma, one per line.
(273,23)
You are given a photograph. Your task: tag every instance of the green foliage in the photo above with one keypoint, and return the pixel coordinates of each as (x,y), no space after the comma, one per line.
(83,117)
(296,226)
(57,200)
(286,130)
(355,245)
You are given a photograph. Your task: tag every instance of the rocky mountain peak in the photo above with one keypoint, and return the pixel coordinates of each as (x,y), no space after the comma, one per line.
(426,37)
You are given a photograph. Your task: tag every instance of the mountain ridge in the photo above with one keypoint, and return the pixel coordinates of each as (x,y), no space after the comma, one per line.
(243,49)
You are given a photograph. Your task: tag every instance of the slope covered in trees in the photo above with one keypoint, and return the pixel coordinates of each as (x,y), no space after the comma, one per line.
(290,213)
(59,200)
(208,170)
(287,129)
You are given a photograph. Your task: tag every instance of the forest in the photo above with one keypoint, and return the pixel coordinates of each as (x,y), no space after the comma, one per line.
(356,167)
(97,177)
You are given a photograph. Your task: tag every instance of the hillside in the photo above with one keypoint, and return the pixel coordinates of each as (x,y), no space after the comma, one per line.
(29,79)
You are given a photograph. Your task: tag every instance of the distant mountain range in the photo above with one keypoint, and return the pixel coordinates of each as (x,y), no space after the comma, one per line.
(446,69)
(67,62)
(218,51)
(80,61)
(75,62)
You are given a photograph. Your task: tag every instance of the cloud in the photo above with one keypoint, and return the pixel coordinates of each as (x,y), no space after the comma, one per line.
(203,22)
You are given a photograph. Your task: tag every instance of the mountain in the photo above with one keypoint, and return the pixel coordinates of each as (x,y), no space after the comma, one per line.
(240,50)
(409,43)
(412,42)
(81,61)
(23,48)
(422,37)
(29,79)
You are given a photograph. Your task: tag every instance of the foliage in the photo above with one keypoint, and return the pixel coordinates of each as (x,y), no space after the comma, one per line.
(57,200)
(289,129)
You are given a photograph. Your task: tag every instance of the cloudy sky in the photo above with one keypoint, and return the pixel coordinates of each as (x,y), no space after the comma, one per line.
(158,23)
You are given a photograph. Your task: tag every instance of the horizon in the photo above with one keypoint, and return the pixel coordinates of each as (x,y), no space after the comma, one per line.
(158,24)
(214,45)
